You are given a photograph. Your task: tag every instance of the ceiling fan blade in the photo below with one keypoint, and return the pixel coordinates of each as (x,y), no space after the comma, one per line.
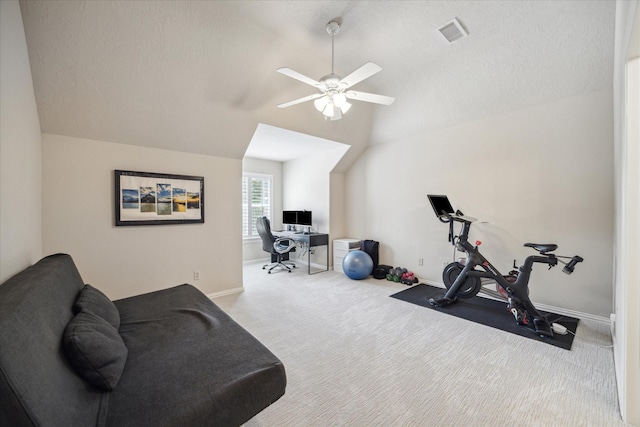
(364,72)
(300,100)
(369,97)
(300,77)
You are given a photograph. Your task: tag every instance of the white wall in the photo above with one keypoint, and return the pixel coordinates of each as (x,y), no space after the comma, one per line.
(627,336)
(306,186)
(252,248)
(78,206)
(20,164)
(337,222)
(544,174)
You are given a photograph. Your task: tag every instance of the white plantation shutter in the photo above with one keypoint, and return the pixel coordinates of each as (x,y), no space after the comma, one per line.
(256,201)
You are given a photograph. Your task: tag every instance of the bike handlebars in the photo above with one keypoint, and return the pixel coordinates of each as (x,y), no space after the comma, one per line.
(568,269)
(549,258)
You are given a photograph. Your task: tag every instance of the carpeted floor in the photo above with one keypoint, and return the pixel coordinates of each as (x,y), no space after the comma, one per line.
(355,357)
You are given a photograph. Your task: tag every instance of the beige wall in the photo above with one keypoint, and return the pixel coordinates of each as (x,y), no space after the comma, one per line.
(78,206)
(20,179)
(544,174)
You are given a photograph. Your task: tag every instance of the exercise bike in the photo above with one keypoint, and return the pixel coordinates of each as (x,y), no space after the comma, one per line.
(466,279)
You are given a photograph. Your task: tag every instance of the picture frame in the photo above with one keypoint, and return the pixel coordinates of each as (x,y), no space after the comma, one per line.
(148,198)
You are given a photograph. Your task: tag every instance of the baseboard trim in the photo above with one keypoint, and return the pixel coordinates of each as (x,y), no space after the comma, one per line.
(572,313)
(225,292)
(549,308)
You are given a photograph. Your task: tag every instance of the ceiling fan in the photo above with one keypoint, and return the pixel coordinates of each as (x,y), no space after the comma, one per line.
(332,101)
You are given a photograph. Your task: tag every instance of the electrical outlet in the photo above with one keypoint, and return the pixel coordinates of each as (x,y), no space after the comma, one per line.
(196,275)
(421,261)
(445,263)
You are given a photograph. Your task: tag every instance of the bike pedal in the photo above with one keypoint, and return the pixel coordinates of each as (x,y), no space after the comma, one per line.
(441,302)
(543,328)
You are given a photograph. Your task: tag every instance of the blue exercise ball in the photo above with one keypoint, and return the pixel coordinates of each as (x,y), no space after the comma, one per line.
(357,265)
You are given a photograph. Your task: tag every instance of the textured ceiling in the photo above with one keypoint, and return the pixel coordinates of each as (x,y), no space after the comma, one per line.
(199,76)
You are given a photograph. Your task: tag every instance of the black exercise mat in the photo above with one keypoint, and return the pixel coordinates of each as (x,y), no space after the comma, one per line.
(490,313)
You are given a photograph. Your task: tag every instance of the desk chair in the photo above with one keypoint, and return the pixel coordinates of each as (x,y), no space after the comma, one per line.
(279,248)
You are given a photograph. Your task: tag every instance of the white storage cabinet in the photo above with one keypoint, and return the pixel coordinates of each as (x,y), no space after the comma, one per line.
(340,249)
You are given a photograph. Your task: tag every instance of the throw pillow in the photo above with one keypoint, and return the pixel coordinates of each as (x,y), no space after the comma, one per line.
(93,301)
(95,349)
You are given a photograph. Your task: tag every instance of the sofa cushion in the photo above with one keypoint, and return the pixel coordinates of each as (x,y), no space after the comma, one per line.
(189,364)
(95,349)
(94,301)
(38,386)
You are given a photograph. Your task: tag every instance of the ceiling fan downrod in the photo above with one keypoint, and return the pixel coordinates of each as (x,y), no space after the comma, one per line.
(332,28)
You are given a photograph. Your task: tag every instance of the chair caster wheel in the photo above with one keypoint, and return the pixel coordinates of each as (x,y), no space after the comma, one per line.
(289,271)
(269,272)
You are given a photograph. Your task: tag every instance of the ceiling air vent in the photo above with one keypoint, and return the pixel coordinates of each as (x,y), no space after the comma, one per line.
(452,31)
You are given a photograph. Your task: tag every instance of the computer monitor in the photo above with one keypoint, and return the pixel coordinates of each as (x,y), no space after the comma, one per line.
(290,217)
(440,204)
(304,218)
(297,218)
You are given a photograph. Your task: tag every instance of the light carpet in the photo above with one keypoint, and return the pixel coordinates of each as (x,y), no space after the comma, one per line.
(355,357)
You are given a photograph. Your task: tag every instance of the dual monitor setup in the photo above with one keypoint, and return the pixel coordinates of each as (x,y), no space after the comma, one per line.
(292,219)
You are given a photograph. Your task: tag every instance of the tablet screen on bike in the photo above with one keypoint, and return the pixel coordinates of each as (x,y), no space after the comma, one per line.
(440,204)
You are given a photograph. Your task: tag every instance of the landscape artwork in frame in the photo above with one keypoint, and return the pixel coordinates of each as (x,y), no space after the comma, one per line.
(146,198)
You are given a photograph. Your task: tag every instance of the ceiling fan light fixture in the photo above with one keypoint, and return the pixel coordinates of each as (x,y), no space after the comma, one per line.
(321,103)
(339,99)
(329,110)
(346,107)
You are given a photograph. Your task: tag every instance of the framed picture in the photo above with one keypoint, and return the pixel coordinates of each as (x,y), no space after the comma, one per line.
(145,198)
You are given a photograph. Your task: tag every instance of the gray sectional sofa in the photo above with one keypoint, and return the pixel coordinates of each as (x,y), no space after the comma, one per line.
(71,357)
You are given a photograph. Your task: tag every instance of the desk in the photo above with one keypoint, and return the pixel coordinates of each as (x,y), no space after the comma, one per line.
(311,240)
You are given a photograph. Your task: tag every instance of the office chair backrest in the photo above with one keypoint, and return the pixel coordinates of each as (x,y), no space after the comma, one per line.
(264,231)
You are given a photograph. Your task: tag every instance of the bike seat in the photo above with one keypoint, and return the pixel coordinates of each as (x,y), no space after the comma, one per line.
(542,248)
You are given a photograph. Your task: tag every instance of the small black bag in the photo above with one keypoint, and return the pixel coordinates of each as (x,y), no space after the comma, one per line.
(381,271)
(371,247)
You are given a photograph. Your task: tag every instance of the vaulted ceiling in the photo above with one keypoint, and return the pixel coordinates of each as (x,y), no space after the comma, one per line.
(199,76)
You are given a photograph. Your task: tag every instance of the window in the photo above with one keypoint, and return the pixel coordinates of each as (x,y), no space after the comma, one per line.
(257,195)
